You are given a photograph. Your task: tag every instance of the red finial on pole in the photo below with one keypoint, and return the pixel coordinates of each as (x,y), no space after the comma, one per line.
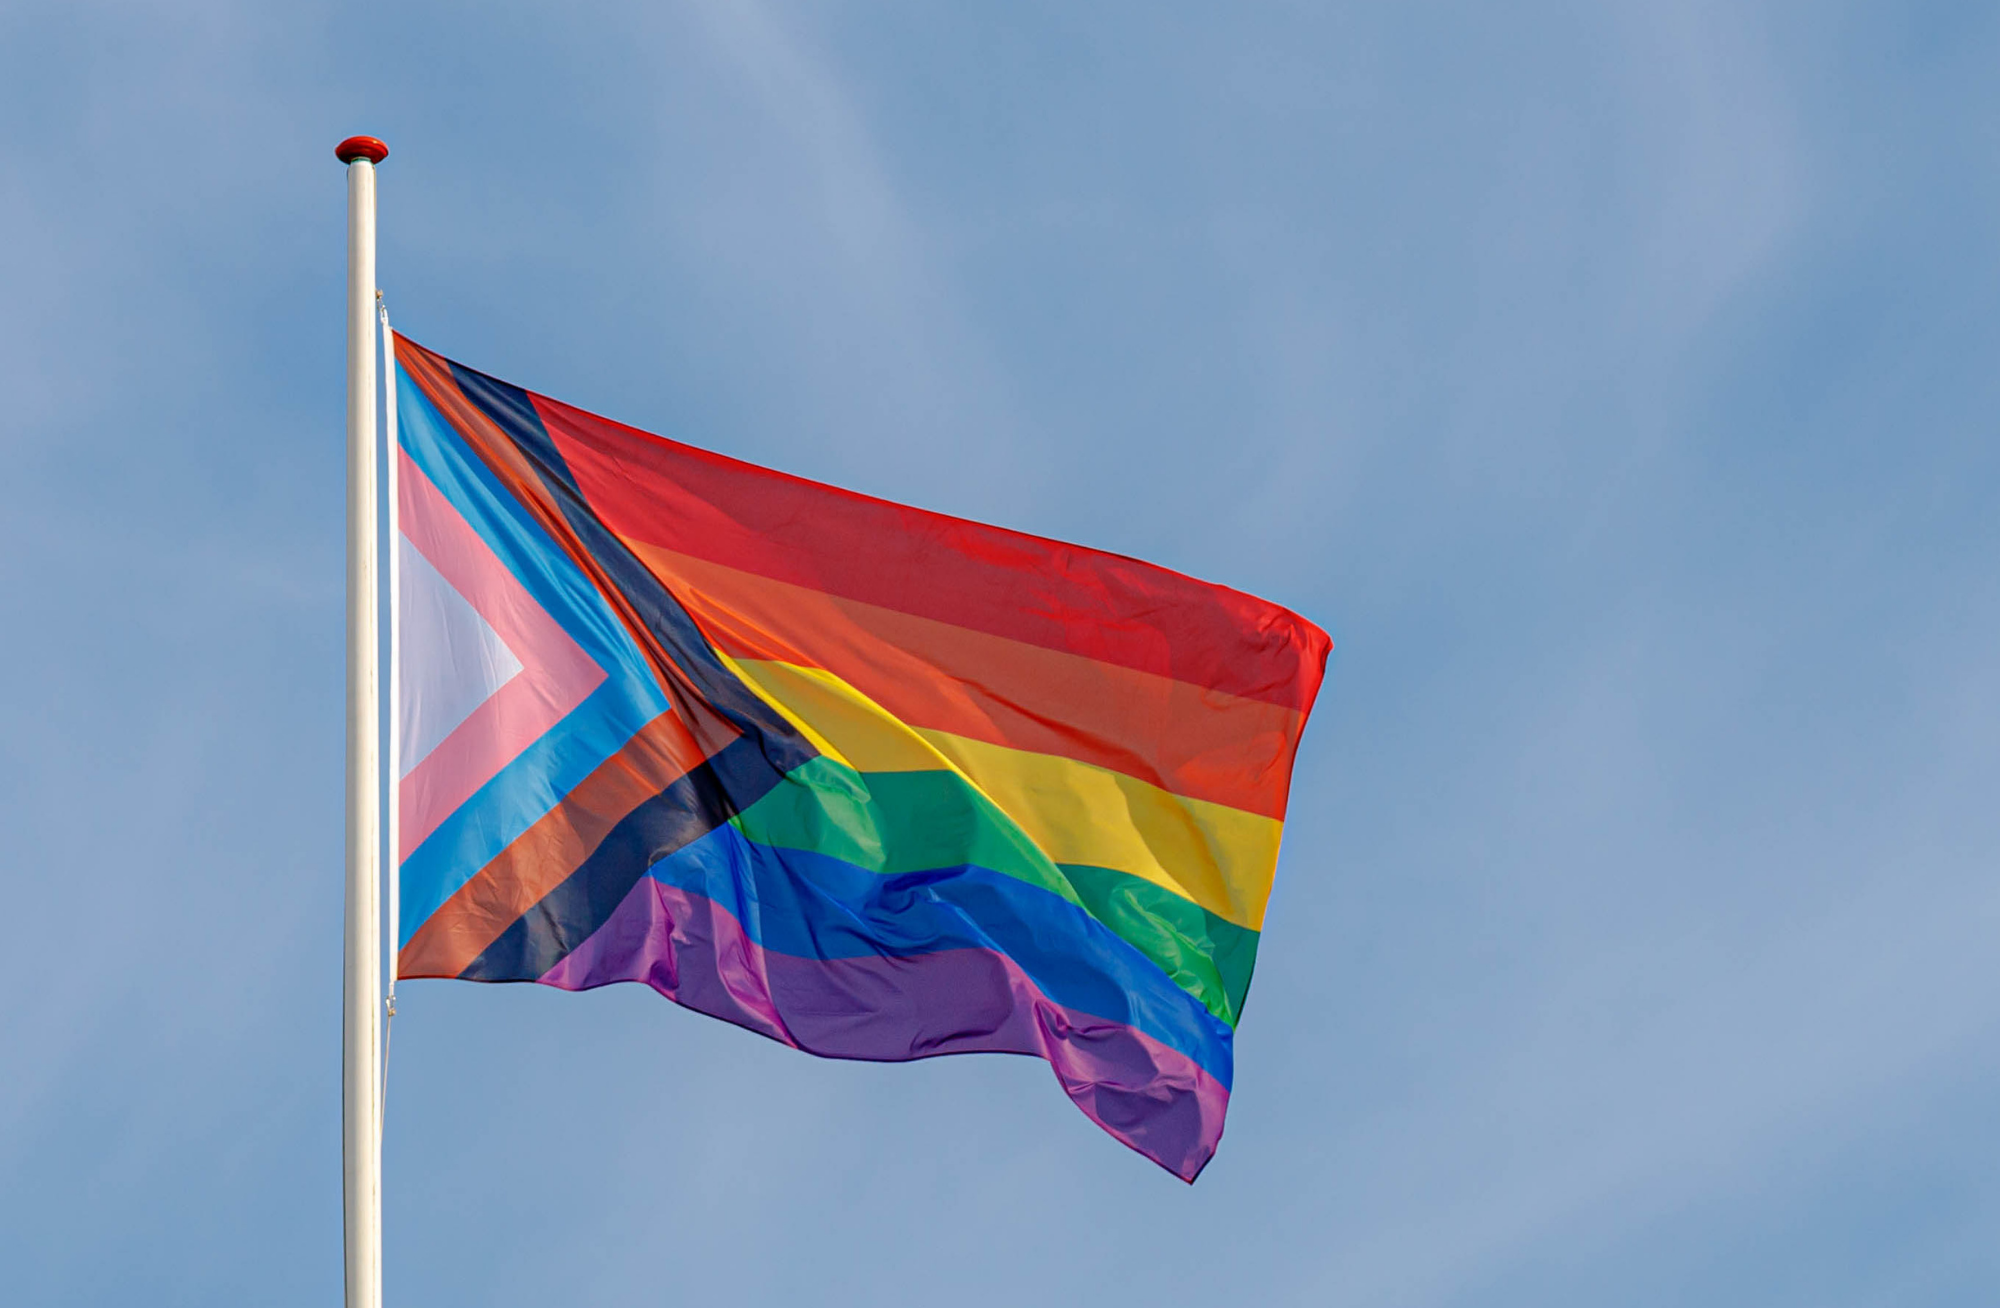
(361,147)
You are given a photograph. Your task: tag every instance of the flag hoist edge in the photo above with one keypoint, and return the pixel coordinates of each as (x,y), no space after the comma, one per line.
(875,782)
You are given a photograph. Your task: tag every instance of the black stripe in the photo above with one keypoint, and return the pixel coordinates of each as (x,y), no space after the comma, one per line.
(667,623)
(738,775)
(674,818)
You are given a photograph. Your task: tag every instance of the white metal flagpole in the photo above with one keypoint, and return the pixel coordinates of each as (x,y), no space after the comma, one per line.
(361,1122)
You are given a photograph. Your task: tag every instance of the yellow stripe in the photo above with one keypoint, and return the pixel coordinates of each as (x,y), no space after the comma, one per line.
(1219,857)
(792,690)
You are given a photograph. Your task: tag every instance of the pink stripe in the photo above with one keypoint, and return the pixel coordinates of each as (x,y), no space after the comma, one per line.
(556,675)
(1153,1098)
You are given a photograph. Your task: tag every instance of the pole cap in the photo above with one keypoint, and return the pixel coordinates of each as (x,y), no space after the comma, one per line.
(361,147)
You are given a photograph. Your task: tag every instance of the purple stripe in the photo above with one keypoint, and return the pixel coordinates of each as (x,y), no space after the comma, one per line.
(1155,1099)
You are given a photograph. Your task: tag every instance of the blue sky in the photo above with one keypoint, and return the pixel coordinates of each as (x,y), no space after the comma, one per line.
(1616,383)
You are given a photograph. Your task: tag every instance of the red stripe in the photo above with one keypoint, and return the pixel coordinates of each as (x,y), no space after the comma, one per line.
(1185,739)
(1006,583)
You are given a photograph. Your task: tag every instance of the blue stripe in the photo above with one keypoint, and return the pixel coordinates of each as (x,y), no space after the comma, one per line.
(813,906)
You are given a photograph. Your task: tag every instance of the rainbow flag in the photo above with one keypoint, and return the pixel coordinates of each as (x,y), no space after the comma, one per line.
(875,782)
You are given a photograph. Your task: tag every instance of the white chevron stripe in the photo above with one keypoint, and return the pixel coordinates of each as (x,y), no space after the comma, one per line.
(453,660)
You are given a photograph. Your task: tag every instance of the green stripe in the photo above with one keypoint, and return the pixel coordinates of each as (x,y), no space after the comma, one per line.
(892,822)
(1209,956)
(897,822)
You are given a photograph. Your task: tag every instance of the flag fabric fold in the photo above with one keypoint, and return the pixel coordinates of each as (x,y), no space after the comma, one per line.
(875,782)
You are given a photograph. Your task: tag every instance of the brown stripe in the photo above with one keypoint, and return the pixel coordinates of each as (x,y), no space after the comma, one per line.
(547,852)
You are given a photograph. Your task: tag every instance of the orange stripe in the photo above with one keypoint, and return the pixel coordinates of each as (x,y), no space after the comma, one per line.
(1182,738)
(547,852)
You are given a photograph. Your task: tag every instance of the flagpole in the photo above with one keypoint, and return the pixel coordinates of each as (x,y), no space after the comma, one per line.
(361,1003)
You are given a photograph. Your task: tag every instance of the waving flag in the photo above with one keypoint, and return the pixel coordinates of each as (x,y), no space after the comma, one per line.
(875,782)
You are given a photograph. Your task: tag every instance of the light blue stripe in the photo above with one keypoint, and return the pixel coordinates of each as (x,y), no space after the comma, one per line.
(527,788)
